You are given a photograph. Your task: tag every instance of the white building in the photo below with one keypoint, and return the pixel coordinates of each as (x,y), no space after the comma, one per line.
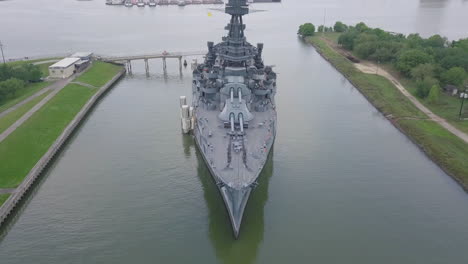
(63,69)
(82,55)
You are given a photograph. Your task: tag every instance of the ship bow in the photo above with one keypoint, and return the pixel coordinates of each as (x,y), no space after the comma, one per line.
(235,200)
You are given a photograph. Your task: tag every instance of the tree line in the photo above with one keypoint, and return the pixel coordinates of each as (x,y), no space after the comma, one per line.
(432,62)
(13,79)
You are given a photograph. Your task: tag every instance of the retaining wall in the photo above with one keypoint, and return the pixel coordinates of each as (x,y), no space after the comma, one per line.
(37,170)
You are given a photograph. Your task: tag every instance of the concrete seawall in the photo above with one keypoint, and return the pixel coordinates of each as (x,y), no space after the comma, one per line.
(37,170)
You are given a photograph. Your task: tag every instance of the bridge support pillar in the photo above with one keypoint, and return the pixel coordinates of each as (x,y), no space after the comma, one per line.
(146,67)
(164,65)
(129,66)
(180,65)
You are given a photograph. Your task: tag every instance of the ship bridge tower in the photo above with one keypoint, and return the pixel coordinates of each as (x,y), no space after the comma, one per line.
(238,51)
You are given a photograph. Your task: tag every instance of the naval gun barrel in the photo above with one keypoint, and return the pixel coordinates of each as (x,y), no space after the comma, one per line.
(239,93)
(231,118)
(241,122)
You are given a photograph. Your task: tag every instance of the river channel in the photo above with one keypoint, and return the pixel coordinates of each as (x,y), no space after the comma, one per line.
(342,185)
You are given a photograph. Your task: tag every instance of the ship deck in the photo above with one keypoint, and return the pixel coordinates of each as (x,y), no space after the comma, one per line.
(214,141)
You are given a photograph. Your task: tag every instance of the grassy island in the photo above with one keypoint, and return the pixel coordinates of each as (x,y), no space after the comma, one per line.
(446,149)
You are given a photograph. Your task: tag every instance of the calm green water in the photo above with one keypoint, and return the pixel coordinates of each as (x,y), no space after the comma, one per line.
(342,185)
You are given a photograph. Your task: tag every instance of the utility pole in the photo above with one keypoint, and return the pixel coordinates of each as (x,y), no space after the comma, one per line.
(324,17)
(463,97)
(3,56)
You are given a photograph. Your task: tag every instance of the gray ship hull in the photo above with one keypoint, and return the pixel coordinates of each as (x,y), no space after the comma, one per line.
(235,201)
(233,113)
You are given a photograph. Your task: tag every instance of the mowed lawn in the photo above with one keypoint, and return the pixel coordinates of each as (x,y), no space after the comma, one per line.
(10,118)
(99,74)
(22,94)
(21,150)
(3,198)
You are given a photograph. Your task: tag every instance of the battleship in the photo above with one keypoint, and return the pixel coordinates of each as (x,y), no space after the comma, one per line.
(233,114)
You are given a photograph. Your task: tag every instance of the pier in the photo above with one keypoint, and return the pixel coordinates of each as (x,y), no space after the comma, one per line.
(127,60)
(152,3)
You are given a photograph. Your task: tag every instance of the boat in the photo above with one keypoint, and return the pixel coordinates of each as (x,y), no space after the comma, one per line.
(141,3)
(152,3)
(114,2)
(233,113)
(128,3)
(182,3)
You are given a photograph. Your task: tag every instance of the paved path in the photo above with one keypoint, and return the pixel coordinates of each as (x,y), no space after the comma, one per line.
(38,93)
(369,67)
(25,101)
(6,191)
(56,87)
(44,62)
(85,84)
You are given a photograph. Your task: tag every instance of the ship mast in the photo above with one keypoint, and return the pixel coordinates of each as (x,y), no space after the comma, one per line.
(237,52)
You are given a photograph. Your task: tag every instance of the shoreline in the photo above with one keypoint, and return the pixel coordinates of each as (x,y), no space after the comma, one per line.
(394,121)
(17,196)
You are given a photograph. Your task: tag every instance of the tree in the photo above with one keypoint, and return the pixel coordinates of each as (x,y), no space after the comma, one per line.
(422,71)
(27,72)
(451,61)
(409,59)
(306,30)
(10,87)
(366,49)
(414,41)
(340,27)
(6,72)
(436,41)
(434,94)
(321,28)
(423,87)
(383,54)
(462,44)
(361,27)
(454,76)
(347,39)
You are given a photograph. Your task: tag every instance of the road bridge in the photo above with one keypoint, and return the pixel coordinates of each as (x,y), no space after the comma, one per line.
(127,60)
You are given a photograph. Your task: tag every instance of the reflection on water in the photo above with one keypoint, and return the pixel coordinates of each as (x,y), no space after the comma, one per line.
(228,250)
(433,3)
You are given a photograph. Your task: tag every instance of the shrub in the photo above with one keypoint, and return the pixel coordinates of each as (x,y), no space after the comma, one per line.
(306,30)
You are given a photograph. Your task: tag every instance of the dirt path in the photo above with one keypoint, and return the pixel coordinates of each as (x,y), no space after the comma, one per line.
(371,68)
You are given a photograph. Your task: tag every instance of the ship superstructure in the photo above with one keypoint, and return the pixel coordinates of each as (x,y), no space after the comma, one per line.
(234,113)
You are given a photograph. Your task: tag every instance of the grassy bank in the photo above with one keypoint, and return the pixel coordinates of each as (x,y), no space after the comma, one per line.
(447,150)
(99,74)
(21,150)
(13,116)
(22,94)
(21,62)
(447,107)
(3,198)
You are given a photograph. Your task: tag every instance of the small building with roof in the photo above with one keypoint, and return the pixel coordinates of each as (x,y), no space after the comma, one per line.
(82,55)
(63,68)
